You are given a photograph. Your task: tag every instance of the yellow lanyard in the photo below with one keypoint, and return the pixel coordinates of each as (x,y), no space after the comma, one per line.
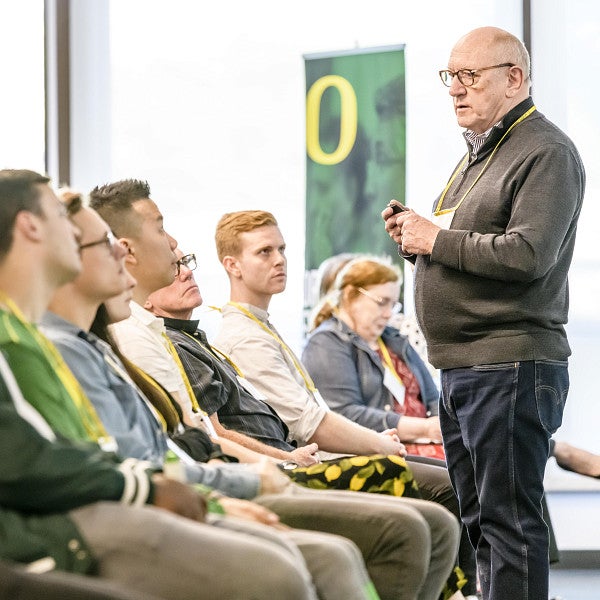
(439,212)
(221,354)
(210,428)
(186,381)
(308,382)
(87,413)
(387,359)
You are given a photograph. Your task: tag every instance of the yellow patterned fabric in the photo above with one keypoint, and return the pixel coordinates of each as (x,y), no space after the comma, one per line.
(376,474)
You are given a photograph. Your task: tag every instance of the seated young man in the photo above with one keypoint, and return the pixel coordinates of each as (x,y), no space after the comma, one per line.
(252,250)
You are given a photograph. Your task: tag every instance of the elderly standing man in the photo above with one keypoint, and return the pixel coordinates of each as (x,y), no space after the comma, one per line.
(491,295)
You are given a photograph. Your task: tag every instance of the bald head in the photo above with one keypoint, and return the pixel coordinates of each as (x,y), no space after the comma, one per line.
(489,70)
(494,46)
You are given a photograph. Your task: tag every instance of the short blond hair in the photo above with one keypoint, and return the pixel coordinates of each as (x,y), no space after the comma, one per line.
(230,226)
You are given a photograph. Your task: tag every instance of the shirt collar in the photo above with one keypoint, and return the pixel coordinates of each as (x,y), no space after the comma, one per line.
(146,317)
(477,140)
(187,325)
(50,319)
(496,131)
(259,313)
(53,321)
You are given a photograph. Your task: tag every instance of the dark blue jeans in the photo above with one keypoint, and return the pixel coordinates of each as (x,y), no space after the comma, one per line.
(496,422)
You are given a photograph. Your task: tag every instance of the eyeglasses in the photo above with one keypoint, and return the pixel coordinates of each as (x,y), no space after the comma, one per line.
(390,303)
(189,261)
(467,76)
(111,242)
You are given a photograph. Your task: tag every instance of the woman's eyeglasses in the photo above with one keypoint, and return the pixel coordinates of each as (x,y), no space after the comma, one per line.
(390,303)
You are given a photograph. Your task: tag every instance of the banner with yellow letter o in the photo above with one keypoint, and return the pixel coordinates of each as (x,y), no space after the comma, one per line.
(355,150)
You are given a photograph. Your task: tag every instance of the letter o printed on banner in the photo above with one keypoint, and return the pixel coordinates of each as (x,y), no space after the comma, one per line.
(348,119)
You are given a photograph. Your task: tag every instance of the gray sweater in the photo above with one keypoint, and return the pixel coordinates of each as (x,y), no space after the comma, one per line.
(495,286)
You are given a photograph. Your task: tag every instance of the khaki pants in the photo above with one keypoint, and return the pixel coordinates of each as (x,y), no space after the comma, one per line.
(154,551)
(409,546)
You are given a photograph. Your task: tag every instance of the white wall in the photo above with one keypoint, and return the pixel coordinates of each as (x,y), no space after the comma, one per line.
(22,91)
(208,105)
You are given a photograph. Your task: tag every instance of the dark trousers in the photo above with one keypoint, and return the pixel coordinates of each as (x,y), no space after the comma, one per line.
(496,422)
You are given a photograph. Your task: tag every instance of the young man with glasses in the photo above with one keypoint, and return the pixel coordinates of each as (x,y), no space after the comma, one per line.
(491,295)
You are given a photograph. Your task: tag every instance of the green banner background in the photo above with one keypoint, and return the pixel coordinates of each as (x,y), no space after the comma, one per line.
(344,200)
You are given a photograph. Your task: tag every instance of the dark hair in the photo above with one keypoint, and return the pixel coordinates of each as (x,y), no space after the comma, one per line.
(114,203)
(18,192)
(158,396)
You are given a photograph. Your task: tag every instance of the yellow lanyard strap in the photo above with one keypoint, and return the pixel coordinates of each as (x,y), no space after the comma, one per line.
(210,428)
(89,417)
(387,359)
(439,212)
(186,381)
(308,382)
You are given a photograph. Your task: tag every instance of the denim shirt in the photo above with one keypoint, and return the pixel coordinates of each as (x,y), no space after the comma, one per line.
(350,375)
(125,414)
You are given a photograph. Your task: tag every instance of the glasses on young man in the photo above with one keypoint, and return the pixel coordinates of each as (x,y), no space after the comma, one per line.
(188,261)
(390,303)
(111,242)
(467,76)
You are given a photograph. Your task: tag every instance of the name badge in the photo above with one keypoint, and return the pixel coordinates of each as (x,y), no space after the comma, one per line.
(394,385)
(203,422)
(444,220)
(108,443)
(250,388)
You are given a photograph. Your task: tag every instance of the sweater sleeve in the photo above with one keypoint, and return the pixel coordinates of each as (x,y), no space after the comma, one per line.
(41,474)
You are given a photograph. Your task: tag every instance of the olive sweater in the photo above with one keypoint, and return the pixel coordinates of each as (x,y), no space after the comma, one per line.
(494,288)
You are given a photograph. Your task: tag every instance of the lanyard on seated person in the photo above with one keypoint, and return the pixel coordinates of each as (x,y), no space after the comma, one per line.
(188,386)
(391,379)
(219,354)
(387,359)
(86,411)
(222,357)
(308,382)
